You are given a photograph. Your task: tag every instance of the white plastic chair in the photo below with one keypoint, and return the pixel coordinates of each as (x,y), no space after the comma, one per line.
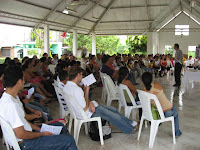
(103,96)
(111,91)
(145,99)
(62,112)
(6,128)
(52,67)
(78,122)
(128,109)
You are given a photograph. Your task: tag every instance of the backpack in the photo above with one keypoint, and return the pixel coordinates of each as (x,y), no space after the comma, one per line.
(94,130)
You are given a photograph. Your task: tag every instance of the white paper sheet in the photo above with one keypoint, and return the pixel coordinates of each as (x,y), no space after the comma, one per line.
(30,92)
(53,129)
(87,81)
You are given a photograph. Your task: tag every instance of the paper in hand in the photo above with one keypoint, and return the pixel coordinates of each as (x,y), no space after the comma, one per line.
(53,129)
(30,92)
(87,81)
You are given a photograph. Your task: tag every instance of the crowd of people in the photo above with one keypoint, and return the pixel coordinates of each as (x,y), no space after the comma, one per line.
(25,115)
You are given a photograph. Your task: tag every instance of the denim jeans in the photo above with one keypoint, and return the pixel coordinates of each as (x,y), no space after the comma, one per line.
(113,116)
(63,141)
(173,112)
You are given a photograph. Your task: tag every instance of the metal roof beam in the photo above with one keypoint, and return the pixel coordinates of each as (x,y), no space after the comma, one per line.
(48,15)
(35,20)
(138,6)
(167,15)
(102,15)
(32,4)
(121,21)
(81,17)
(97,3)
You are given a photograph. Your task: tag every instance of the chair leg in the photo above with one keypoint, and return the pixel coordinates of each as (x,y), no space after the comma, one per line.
(140,128)
(70,124)
(134,111)
(153,132)
(173,131)
(120,105)
(100,131)
(109,101)
(78,131)
(86,128)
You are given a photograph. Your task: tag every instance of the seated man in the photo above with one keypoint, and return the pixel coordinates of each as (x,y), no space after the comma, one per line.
(13,113)
(92,109)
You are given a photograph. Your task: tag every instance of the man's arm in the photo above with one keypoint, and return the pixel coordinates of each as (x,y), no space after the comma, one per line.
(86,95)
(21,133)
(34,127)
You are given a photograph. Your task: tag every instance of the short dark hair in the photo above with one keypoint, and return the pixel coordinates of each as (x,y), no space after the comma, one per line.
(62,75)
(2,69)
(74,71)
(177,45)
(44,54)
(11,76)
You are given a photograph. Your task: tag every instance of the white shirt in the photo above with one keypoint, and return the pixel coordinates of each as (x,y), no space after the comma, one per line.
(54,61)
(11,110)
(61,85)
(73,89)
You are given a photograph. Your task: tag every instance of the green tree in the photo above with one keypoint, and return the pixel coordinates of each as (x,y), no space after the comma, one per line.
(137,43)
(108,44)
(38,37)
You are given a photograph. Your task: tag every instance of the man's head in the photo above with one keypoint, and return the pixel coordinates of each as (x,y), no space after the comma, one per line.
(118,60)
(13,77)
(45,55)
(76,73)
(63,76)
(176,46)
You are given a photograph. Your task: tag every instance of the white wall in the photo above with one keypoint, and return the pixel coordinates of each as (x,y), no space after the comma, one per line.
(169,38)
(156,41)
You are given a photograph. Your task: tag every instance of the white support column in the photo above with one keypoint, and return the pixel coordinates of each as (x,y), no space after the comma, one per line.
(75,42)
(46,39)
(94,51)
(152,43)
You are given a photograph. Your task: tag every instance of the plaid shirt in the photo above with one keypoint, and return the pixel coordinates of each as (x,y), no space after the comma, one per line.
(179,56)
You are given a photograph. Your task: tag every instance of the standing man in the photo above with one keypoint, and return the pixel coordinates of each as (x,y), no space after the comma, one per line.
(178,65)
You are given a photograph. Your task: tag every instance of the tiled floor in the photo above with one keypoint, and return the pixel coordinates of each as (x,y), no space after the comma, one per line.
(188,106)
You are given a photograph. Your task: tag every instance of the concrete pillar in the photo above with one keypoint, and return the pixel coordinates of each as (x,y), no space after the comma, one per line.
(75,42)
(94,51)
(46,39)
(152,43)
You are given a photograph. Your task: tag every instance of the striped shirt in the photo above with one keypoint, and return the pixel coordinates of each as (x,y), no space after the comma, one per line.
(179,56)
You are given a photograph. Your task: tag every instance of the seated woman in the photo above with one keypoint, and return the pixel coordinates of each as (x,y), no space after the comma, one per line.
(123,79)
(168,109)
(35,83)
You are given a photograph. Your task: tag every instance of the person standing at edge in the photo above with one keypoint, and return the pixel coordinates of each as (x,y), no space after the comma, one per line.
(178,65)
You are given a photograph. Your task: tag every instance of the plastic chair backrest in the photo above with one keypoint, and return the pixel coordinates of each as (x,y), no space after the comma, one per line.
(52,68)
(59,96)
(121,88)
(8,131)
(145,99)
(110,86)
(101,76)
(69,99)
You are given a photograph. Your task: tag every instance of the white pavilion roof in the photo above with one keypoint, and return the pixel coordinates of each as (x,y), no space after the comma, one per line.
(105,17)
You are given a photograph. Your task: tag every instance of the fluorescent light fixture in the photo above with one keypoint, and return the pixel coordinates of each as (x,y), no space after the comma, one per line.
(65,11)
